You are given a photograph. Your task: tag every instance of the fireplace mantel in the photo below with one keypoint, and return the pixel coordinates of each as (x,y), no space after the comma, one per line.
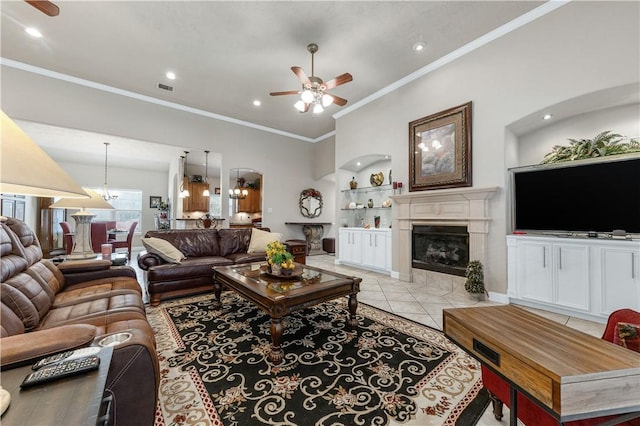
(457,206)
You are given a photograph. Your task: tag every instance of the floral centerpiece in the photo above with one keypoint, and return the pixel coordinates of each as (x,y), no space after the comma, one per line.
(279,259)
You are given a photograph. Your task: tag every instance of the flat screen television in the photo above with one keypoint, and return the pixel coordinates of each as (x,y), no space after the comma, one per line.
(582,196)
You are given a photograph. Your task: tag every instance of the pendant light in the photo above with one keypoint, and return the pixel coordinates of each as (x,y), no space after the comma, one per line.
(184,193)
(238,193)
(105,191)
(205,193)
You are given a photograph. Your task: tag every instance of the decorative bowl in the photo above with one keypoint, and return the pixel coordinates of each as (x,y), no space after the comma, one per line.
(376,179)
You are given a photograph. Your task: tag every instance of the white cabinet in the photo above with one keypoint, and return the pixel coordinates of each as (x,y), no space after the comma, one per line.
(620,271)
(374,249)
(367,248)
(589,278)
(350,245)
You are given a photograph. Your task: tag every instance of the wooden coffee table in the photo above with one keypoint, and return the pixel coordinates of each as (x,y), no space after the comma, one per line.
(279,297)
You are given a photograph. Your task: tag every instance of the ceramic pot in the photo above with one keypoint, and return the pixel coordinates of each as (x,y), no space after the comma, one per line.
(354,183)
(276,269)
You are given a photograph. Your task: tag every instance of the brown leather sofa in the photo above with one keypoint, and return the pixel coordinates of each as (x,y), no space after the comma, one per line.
(203,248)
(47,309)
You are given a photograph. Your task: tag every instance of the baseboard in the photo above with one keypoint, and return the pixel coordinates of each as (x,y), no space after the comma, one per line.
(499,297)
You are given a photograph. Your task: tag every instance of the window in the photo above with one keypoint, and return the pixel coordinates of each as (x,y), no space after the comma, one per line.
(128,209)
(215,205)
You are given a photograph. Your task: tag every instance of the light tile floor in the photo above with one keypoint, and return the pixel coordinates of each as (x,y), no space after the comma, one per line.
(423,301)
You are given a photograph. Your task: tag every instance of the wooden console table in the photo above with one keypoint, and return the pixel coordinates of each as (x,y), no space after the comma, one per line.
(313,232)
(568,373)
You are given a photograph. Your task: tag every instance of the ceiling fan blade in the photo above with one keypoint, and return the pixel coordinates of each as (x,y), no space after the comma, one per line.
(45,7)
(289,92)
(338,100)
(341,79)
(301,75)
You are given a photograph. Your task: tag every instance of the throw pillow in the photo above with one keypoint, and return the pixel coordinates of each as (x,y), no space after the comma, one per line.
(627,336)
(260,239)
(164,249)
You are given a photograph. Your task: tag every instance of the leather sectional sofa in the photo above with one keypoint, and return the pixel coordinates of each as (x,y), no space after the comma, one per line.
(203,249)
(46,309)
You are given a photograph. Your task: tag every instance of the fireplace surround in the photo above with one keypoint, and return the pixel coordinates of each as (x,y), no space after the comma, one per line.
(463,207)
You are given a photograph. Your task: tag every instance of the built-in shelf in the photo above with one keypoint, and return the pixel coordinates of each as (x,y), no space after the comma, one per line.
(367,189)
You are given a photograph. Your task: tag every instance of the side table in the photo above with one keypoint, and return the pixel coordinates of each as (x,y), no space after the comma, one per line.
(74,400)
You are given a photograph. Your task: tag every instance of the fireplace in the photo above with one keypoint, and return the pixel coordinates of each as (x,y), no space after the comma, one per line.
(440,248)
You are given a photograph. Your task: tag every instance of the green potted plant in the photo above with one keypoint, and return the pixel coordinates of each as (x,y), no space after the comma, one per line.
(475,279)
(602,145)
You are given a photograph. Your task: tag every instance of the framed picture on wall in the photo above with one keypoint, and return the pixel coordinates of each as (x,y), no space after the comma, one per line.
(440,150)
(154,201)
(217,191)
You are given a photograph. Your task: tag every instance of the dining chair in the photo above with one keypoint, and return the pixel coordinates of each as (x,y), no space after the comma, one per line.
(125,243)
(67,237)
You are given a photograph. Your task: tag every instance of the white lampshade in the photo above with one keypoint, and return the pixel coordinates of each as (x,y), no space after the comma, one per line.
(327,100)
(307,96)
(94,202)
(300,106)
(82,248)
(317,109)
(25,169)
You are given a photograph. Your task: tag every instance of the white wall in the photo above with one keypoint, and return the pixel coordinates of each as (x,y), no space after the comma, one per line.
(579,48)
(284,162)
(624,120)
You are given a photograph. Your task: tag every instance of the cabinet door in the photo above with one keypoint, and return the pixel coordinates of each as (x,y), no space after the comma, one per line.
(374,249)
(571,269)
(620,279)
(350,246)
(534,271)
(252,203)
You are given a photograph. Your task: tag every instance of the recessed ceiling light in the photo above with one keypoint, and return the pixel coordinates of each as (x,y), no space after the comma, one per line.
(547,116)
(257,103)
(358,163)
(171,75)
(33,32)
(418,46)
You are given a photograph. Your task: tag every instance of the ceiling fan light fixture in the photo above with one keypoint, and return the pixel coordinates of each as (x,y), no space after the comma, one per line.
(327,100)
(307,96)
(300,106)
(317,108)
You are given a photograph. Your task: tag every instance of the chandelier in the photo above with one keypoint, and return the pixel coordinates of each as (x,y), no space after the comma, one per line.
(105,190)
(184,192)
(206,193)
(238,193)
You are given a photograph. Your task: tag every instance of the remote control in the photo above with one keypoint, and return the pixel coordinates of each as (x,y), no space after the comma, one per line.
(62,369)
(66,356)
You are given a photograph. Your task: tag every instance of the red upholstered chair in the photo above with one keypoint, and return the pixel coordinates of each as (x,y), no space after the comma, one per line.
(127,243)
(529,412)
(98,236)
(67,237)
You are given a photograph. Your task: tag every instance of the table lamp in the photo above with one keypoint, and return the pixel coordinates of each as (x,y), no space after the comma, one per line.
(82,248)
(26,169)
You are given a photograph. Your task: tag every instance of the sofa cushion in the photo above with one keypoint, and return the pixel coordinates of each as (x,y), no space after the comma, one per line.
(191,242)
(190,268)
(234,241)
(164,249)
(11,260)
(27,298)
(260,239)
(26,240)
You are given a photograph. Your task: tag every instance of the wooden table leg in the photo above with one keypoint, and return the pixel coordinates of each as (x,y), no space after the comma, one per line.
(353,306)
(277,354)
(217,291)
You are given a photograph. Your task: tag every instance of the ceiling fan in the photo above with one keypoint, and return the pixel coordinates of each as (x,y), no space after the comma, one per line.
(44,6)
(314,90)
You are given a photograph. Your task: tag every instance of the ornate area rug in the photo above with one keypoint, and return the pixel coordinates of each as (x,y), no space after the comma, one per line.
(214,368)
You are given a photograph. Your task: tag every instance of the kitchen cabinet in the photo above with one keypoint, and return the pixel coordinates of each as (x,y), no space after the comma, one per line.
(195,202)
(588,278)
(366,248)
(252,203)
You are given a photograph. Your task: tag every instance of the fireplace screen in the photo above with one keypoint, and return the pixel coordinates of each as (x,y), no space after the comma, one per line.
(440,248)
